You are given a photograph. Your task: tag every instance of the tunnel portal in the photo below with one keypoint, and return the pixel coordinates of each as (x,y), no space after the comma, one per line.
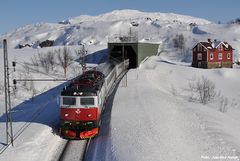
(125,52)
(134,51)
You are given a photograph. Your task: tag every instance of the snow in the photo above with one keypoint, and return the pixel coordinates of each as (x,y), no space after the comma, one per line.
(35,124)
(157,122)
(150,119)
(196,30)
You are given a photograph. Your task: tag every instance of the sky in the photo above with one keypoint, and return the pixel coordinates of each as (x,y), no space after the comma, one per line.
(16,13)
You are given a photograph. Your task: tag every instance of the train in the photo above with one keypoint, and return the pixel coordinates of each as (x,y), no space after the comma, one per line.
(83,100)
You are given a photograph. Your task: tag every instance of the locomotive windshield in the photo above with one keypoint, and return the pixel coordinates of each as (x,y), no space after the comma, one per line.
(69,101)
(87,101)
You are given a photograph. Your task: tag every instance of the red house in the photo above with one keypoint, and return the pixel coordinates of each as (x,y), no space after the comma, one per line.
(214,54)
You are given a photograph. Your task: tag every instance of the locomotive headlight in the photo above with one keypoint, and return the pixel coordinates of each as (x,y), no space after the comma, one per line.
(66,115)
(89,115)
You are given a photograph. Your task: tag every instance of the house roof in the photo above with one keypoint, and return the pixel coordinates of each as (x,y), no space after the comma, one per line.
(215,44)
(228,46)
(206,45)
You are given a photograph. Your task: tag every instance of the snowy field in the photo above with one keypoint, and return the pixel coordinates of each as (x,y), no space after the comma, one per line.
(159,123)
(150,119)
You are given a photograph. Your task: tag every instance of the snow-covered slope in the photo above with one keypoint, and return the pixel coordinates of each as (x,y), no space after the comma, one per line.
(97,30)
(152,118)
(160,123)
(126,15)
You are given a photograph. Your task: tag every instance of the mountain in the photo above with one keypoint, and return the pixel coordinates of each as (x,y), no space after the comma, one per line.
(154,118)
(98,30)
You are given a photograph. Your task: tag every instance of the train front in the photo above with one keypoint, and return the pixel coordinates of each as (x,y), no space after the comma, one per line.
(79,114)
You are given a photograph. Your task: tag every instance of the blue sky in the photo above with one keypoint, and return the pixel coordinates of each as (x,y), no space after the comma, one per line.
(17,13)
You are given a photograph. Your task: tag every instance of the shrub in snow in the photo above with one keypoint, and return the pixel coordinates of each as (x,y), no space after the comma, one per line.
(202,90)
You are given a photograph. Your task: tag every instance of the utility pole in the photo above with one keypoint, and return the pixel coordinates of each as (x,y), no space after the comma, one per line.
(9,131)
(82,53)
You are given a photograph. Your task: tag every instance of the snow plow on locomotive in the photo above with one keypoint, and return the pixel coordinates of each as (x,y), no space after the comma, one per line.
(82,101)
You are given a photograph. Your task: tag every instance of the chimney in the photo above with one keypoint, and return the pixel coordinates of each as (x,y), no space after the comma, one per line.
(209,40)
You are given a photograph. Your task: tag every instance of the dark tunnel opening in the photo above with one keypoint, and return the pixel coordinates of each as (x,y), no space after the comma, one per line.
(129,53)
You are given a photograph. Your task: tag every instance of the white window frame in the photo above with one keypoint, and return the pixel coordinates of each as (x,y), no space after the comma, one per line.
(228,56)
(199,56)
(211,56)
(220,56)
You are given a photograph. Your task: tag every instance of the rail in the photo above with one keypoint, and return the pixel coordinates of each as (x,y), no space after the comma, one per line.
(68,152)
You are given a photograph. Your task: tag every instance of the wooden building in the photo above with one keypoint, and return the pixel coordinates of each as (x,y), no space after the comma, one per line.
(212,54)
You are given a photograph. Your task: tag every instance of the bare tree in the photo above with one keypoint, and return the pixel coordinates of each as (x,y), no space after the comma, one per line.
(223,104)
(26,67)
(27,85)
(46,61)
(65,58)
(41,59)
(35,61)
(179,42)
(202,90)
(50,58)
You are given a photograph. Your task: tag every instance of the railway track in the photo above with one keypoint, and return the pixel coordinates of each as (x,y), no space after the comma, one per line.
(77,150)
(74,150)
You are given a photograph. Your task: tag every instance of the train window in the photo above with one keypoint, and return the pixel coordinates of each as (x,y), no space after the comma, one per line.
(69,101)
(87,101)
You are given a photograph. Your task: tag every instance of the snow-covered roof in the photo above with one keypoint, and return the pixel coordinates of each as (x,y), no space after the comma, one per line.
(215,44)
(206,45)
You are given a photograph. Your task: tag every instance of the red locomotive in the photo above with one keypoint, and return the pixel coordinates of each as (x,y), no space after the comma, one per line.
(82,102)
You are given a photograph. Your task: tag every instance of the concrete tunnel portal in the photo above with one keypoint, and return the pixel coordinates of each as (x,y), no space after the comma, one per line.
(136,52)
(124,52)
